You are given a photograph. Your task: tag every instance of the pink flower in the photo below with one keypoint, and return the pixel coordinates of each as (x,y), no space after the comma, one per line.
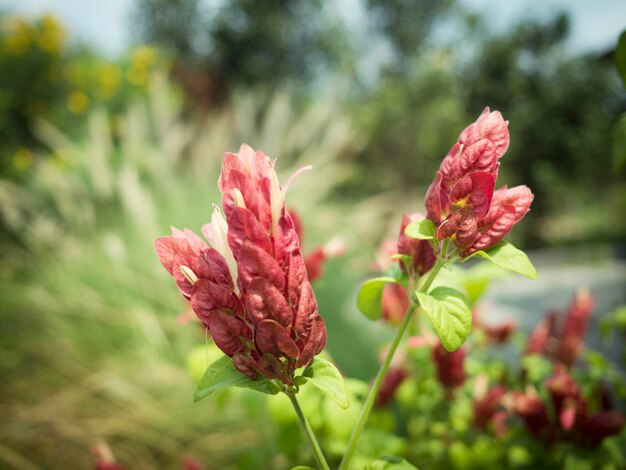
(249,285)
(486,406)
(532,410)
(567,400)
(540,336)
(394,303)
(573,334)
(461,201)
(562,337)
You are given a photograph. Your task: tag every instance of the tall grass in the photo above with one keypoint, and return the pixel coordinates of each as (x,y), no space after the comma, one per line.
(90,344)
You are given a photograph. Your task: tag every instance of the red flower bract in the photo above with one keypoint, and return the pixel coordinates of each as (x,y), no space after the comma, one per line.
(461,201)
(419,251)
(449,366)
(249,285)
(562,337)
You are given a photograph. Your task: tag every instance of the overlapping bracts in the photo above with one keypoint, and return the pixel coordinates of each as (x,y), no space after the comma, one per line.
(462,200)
(249,284)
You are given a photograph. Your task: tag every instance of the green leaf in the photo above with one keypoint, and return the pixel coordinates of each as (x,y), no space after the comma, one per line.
(421,229)
(370,295)
(302,467)
(395,271)
(537,368)
(620,56)
(506,256)
(449,313)
(390,462)
(222,373)
(325,376)
(400,275)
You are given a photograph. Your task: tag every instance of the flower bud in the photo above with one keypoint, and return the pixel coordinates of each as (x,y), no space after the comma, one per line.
(461,200)
(420,251)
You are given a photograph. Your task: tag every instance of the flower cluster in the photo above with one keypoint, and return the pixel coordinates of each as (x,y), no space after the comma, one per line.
(249,284)
(570,418)
(562,337)
(462,202)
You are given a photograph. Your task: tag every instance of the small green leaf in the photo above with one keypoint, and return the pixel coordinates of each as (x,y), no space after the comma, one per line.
(620,56)
(506,256)
(325,376)
(222,373)
(406,260)
(390,462)
(302,467)
(395,271)
(370,295)
(449,313)
(421,229)
(537,368)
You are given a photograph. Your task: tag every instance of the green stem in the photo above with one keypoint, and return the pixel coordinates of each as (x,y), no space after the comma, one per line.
(373,393)
(317,450)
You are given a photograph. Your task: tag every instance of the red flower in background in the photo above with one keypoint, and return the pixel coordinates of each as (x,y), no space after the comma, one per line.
(487,408)
(540,337)
(532,410)
(574,328)
(461,201)
(316,259)
(494,334)
(393,379)
(249,285)
(567,400)
(562,337)
(570,418)
(394,303)
(450,370)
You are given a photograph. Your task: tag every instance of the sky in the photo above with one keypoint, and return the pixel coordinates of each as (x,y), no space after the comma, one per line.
(105,24)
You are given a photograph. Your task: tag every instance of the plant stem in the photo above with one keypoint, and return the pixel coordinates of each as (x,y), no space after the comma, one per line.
(317,450)
(373,393)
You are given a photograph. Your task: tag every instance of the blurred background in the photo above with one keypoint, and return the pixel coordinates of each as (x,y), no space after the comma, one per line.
(113,119)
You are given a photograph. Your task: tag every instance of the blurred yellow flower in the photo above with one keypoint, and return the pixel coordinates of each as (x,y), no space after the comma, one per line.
(52,36)
(77,102)
(18,35)
(109,80)
(143,57)
(141,60)
(23,159)
(137,77)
